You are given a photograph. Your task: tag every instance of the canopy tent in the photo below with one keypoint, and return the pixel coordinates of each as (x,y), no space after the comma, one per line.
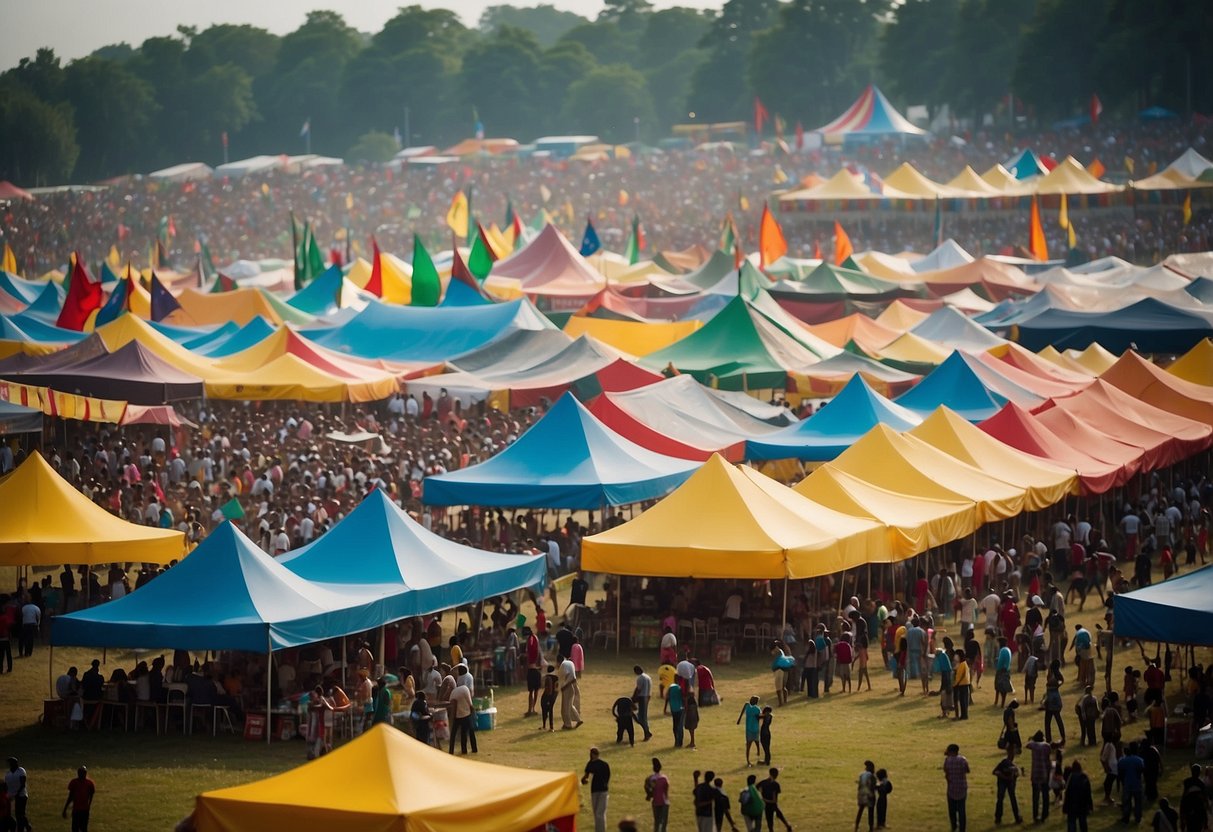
(127,328)
(1070,177)
(633,337)
(900,317)
(1183,173)
(912,353)
(951,329)
(829,377)
(136,414)
(1196,365)
(867,334)
(518,350)
(908,179)
(326,294)
(388,781)
(1044,484)
(1176,611)
(251,334)
(226,595)
(132,373)
(291,378)
(1025,165)
(997,280)
(834,427)
(549,265)
(239,305)
(1148,325)
(1149,383)
(949,254)
(427,572)
(1099,443)
(568,459)
(726,522)
(871,116)
(17,419)
(44,521)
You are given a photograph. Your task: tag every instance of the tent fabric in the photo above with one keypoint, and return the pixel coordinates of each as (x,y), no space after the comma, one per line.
(226,595)
(1044,484)
(869,335)
(956,385)
(44,521)
(549,265)
(568,459)
(17,419)
(251,334)
(951,329)
(389,782)
(900,317)
(1148,383)
(135,414)
(428,572)
(829,377)
(1196,365)
(290,378)
(871,115)
(1148,325)
(725,522)
(127,328)
(1070,177)
(1175,611)
(132,373)
(239,305)
(1100,444)
(518,350)
(834,427)
(632,337)
(946,255)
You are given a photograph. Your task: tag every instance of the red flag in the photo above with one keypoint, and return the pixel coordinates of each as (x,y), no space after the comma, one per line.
(760,115)
(375,284)
(799,136)
(1096,109)
(1036,234)
(771,243)
(172,226)
(123,232)
(83,298)
(842,244)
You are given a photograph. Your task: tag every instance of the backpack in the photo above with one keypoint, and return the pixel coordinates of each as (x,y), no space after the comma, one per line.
(752,804)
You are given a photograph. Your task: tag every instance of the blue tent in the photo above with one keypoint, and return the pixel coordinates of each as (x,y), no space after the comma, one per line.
(46,307)
(950,328)
(831,430)
(17,419)
(1147,326)
(459,293)
(415,333)
(225,595)
(320,296)
(251,334)
(23,290)
(1026,165)
(568,459)
(1178,611)
(37,331)
(191,336)
(429,572)
(956,384)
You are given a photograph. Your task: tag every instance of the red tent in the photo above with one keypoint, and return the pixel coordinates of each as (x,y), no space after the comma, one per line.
(1014,426)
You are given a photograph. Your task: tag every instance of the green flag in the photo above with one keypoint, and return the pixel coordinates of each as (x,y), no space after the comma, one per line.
(314,266)
(635,241)
(427,286)
(480,259)
(232,509)
(298,236)
(208,262)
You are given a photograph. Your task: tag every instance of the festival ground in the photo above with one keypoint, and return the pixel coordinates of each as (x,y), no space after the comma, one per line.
(147,782)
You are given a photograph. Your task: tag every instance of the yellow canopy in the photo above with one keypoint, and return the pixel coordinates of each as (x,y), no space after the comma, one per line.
(729,523)
(290,378)
(970,180)
(1196,365)
(46,522)
(1004,181)
(907,464)
(900,316)
(909,179)
(1069,177)
(386,781)
(915,523)
(1093,360)
(909,348)
(633,337)
(1044,484)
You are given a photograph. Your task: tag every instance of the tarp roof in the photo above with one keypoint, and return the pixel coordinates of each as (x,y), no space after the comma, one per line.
(868,334)
(950,328)
(239,305)
(1025,165)
(900,317)
(549,265)
(1148,383)
(1196,365)
(291,378)
(970,180)
(568,459)
(946,255)
(1016,427)
(828,377)
(833,428)
(1177,611)
(1148,325)
(726,522)
(131,373)
(226,595)
(44,521)
(389,781)
(910,180)
(957,384)
(633,337)
(871,115)
(254,332)
(17,419)
(1070,177)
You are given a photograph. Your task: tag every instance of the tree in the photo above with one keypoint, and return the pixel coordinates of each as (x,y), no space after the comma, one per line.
(547,23)
(114,113)
(117,52)
(414,26)
(915,50)
(252,49)
(42,76)
(669,33)
(628,15)
(498,81)
(670,86)
(39,146)
(719,89)
(375,147)
(1054,70)
(607,101)
(560,67)
(984,52)
(604,40)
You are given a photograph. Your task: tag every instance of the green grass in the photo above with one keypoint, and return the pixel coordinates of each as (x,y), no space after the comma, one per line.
(147,782)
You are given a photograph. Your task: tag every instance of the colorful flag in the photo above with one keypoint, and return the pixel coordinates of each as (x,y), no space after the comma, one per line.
(743,202)
(1096,169)
(83,296)
(1036,234)
(457,215)
(208,262)
(462,274)
(760,115)
(1188,208)
(636,241)
(1063,219)
(817,251)
(623,198)
(771,243)
(297,236)
(1096,109)
(427,285)
(232,510)
(306,129)
(119,302)
(728,234)
(374,285)
(481,257)
(163,302)
(113,258)
(589,239)
(10,260)
(223,283)
(314,265)
(842,244)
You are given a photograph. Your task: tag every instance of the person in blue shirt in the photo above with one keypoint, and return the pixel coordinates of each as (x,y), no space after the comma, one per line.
(673,704)
(1131,769)
(751,713)
(1002,673)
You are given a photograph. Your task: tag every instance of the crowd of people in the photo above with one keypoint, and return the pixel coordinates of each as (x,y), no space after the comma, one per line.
(682,197)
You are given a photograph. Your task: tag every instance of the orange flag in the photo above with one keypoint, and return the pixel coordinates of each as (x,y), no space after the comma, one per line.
(1036,234)
(1096,169)
(842,244)
(771,242)
(375,284)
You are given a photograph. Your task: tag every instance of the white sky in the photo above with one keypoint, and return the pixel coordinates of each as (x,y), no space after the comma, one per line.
(74,28)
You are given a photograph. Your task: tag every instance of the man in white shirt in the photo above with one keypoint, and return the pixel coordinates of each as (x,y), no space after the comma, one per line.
(968,614)
(307,529)
(1061,540)
(463,719)
(570,695)
(989,606)
(411,408)
(282,543)
(432,680)
(732,607)
(1130,524)
(31,623)
(463,678)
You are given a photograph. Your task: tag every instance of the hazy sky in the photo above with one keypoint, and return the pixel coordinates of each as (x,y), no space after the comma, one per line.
(74,28)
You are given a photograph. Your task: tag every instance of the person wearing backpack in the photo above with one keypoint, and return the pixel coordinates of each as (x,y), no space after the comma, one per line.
(752,805)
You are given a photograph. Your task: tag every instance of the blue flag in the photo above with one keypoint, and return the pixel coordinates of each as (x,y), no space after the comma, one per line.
(115,306)
(163,302)
(589,240)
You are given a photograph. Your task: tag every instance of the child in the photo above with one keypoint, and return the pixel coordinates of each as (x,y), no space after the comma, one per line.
(883,788)
(764,734)
(622,711)
(547,702)
(1057,779)
(420,716)
(843,656)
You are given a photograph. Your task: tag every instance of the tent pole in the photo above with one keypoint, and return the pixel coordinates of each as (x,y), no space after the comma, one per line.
(842,588)
(869,580)
(344,660)
(1107,671)
(383,648)
(50,671)
(269,672)
(618,613)
(784,623)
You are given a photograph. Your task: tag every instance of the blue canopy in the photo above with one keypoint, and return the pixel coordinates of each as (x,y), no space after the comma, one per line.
(1147,326)
(225,595)
(194,336)
(320,296)
(835,427)
(417,333)
(954,384)
(950,328)
(46,306)
(568,459)
(1025,165)
(429,572)
(459,293)
(1178,611)
(17,419)
(251,334)
(20,288)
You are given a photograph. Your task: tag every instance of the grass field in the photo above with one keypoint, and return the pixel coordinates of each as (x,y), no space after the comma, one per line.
(147,782)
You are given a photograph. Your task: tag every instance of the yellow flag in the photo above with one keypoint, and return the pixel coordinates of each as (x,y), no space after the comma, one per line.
(457,214)
(1063,216)
(1129,165)
(114,259)
(10,260)
(349,202)
(1188,208)
(745,203)
(1073,237)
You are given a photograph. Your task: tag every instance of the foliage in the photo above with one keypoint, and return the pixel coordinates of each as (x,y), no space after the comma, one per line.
(915,50)
(607,102)
(374,147)
(545,21)
(39,144)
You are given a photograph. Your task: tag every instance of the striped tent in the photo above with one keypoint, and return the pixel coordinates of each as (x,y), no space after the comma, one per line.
(871,115)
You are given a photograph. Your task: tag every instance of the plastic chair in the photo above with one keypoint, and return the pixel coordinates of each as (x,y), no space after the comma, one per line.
(141,705)
(224,711)
(115,707)
(699,632)
(686,629)
(177,698)
(713,629)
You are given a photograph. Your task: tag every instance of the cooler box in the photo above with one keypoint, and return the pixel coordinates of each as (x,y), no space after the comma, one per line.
(722,652)
(1179,734)
(486,720)
(254,727)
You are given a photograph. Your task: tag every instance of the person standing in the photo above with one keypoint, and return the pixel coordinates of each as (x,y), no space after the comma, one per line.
(1087,710)
(31,623)
(1131,770)
(641,695)
(623,711)
(866,794)
(956,774)
(6,645)
(1042,753)
(1006,775)
(570,695)
(751,713)
(704,795)
(674,705)
(1078,802)
(80,793)
(770,789)
(17,782)
(752,806)
(884,788)
(657,792)
(598,773)
(534,666)
(961,684)
(463,719)
(764,734)
(1052,701)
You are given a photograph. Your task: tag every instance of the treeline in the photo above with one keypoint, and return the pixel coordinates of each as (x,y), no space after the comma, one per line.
(632,72)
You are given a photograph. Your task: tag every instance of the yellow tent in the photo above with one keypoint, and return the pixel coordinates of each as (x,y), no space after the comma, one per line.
(633,337)
(909,348)
(970,180)
(289,378)
(909,179)
(907,464)
(1044,484)
(46,522)
(888,267)
(729,523)
(901,316)
(385,781)
(1093,360)
(915,523)
(1069,177)
(842,185)
(1196,365)
(239,306)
